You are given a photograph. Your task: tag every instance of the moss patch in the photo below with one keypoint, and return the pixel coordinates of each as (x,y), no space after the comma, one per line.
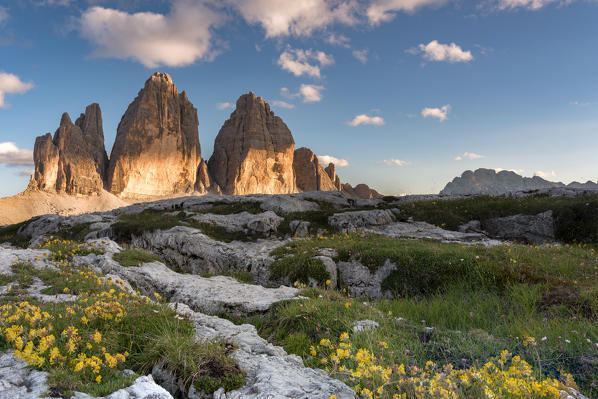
(135,257)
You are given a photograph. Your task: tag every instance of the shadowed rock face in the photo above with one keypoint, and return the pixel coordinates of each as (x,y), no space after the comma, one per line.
(157,149)
(74,161)
(253,152)
(309,174)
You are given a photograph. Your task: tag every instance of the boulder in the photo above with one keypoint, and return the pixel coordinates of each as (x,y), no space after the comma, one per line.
(309,174)
(74,160)
(157,150)
(263,224)
(532,229)
(299,228)
(253,151)
(347,222)
(362,282)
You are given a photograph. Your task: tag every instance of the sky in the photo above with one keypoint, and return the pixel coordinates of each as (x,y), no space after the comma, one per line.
(403,95)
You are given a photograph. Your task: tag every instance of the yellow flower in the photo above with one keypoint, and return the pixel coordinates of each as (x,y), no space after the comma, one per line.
(99,379)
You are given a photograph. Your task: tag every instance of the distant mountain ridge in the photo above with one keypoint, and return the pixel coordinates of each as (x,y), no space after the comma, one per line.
(489,182)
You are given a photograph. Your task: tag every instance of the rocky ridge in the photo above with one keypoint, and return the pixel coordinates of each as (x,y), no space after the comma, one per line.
(489,182)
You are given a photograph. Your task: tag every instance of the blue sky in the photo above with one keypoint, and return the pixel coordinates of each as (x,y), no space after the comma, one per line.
(406,93)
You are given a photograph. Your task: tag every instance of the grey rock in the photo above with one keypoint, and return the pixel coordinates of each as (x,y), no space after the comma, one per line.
(299,228)
(271,372)
(364,325)
(17,380)
(331,269)
(263,224)
(350,221)
(533,229)
(360,281)
(473,226)
(213,295)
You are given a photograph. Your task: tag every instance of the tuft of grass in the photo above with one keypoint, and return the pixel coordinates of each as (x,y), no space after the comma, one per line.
(576,218)
(135,257)
(74,233)
(240,276)
(301,268)
(234,207)
(11,235)
(146,221)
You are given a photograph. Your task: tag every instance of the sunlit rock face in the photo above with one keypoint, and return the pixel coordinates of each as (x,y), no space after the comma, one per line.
(74,160)
(253,152)
(309,174)
(157,150)
(331,170)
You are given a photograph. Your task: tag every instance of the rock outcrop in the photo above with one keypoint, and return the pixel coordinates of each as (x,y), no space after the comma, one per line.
(531,229)
(489,182)
(309,174)
(74,160)
(253,152)
(362,191)
(331,170)
(157,150)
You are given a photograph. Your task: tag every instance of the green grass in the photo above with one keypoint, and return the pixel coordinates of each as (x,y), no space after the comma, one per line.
(146,221)
(74,233)
(479,301)
(576,218)
(135,257)
(240,276)
(10,234)
(301,268)
(233,207)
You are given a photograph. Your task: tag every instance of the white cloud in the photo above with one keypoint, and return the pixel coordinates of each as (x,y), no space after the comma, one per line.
(440,113)
(311,93)
(12,84)
(529,4)
(225,105)
(26,172)
(468,155)
(327,159)
(361,55)
(545,175)
(435,51)
(518,171)
(285,92)
(296,17)
(385,10)
(12,155)
(338,40)
(297,61)
(396,162)
(363,119)
(176,39)
(283,104)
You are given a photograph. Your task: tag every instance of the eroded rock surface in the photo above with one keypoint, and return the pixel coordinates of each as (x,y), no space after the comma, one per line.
(253,152)
(271,372)
(347,222)
(157,151)
(263,224)
(533,229)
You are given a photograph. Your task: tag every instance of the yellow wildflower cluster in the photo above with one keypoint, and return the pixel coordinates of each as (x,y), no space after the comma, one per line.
(506,376)
(77,345)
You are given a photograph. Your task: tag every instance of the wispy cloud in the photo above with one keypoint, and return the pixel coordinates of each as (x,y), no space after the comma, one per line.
(283,104)
(438,52)
(327,159)
(225,105)
(518,171)
(361,55)
(12,155)
(363,119)
(338,40)
(528,4)
(468,155)
(26,172)
(178,38)
(3,15)
(12,84)
(396,162)
(385,10)
(439,113)
(304,62)
(545,175)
